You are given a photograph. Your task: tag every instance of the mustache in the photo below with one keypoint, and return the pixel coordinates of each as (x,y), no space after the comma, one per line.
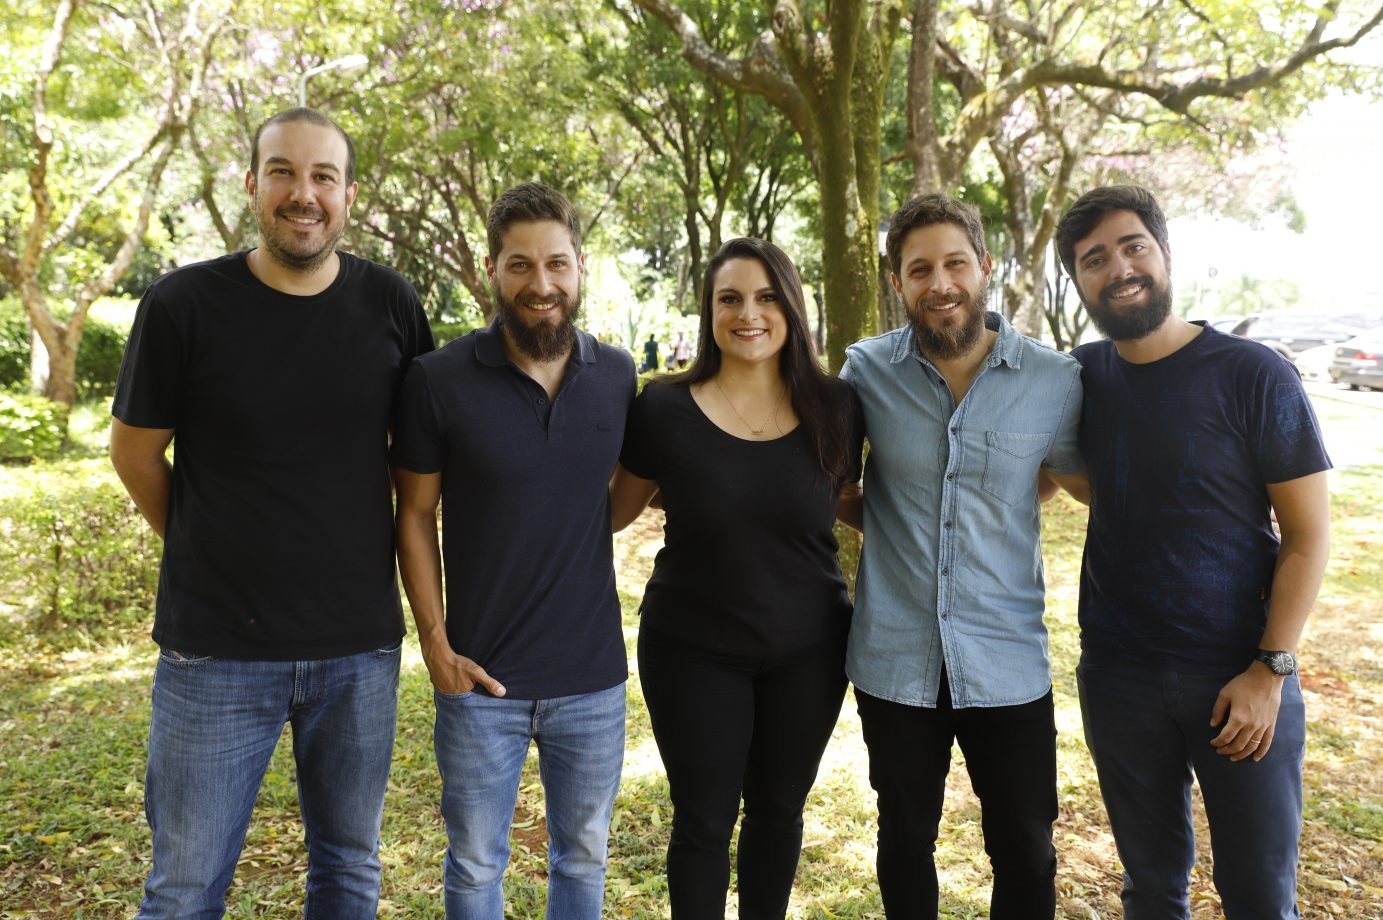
(1108,290)
(310,213)
(525,299)
(941,300)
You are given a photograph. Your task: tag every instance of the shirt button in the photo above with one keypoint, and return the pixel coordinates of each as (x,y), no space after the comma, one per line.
(541,400)
(955,431)
(950,476)
(945,572)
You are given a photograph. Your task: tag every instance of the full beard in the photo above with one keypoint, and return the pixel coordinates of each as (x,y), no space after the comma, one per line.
(953,339)
(288,252)
(541,340)
(1128,324)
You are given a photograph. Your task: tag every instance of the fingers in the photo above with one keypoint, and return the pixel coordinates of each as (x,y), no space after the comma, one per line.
(1219,711)
(477,675)
(1263,744)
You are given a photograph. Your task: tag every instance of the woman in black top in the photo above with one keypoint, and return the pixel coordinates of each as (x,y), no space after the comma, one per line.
(742,641)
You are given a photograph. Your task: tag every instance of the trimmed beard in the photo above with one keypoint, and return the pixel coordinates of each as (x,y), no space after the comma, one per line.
(542,341)
(952,340)
(1132,323)
(277,246)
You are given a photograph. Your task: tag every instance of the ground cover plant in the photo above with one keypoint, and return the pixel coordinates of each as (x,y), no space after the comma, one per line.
(74,713)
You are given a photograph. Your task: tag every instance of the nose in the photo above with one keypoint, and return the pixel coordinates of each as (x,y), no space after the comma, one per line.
(939,282)
(543,282)
(1120,266)
(749,308)
(303,191)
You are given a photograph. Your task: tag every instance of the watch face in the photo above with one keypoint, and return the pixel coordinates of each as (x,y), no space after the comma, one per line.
(1281,663)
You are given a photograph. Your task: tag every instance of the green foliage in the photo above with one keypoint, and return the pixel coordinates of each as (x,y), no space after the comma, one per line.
(79,557)
(14,345)
(444,330)
(30,426)
(98,361)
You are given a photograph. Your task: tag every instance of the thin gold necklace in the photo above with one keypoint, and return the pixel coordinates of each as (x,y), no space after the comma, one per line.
(772,413)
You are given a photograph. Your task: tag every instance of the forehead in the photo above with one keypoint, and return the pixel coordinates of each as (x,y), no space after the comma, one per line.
(934,242)
(536,239)
(1114,226)
(742,273)
(303,142)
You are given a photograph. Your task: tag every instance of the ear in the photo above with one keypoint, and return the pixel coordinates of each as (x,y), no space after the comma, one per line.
(987,266)
(581,265)
(250,186)
(490,273)
(351,192)
(897,285)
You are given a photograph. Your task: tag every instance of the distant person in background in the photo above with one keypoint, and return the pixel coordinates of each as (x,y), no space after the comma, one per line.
(681,352)
(519,427)
(650,356)
(948,643)
(742,637)
(1190,605)
(276,371)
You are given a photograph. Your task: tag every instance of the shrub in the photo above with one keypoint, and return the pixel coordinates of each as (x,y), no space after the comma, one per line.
(30,426)
(77,553)
(444,330)
(98,358)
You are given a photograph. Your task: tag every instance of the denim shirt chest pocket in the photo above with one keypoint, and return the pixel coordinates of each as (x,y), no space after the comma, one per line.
(1011,462)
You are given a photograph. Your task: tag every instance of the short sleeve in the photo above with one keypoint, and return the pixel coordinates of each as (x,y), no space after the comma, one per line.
(854,430)
(1284,435)
(151,372)
(1065,457)
(417,339)
(639,454)
(418,445)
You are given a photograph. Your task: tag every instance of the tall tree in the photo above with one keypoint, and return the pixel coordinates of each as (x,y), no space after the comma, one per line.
(83,163)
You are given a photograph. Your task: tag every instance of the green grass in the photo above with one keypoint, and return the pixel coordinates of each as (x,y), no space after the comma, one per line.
(73,842)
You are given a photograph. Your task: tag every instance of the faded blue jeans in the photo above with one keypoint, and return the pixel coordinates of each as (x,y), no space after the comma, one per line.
(481,743)
(1147,732)
(215,725)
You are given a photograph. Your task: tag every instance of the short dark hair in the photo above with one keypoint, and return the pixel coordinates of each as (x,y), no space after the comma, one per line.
(925,210)
(1081,219)
(312,117)
(530,201)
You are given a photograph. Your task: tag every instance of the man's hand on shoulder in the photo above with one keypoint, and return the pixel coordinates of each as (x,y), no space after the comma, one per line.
(1247,708)
(453,673)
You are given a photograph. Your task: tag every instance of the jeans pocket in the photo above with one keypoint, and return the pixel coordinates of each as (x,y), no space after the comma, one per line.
(1011,462)
(176,659)
(388,650)
(451,697)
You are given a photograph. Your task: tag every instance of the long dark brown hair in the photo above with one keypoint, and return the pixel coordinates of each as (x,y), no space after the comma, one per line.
(822,402)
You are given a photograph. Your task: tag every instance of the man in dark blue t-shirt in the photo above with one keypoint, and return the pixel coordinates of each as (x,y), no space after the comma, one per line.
(519,427)
(1190,606)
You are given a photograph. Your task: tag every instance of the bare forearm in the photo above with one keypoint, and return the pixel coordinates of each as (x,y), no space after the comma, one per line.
(140,460)
(1296,582)
(420,565)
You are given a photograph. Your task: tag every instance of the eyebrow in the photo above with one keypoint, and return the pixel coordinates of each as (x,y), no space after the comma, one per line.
(284,160)
(767,288)
(1126,238)
(946,255)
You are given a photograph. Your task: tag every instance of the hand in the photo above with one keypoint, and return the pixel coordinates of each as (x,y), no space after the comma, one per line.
(453,673)
(1247,706)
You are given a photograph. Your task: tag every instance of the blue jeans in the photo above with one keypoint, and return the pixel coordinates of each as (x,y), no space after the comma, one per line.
(1147,732)
(481,743)
(215,725)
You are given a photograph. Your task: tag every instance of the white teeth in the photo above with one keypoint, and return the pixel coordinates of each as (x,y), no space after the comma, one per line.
(305,221)
(749,333)
(1129,291)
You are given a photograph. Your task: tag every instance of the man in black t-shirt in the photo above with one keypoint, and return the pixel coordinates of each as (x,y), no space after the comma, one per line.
(276,371)
(519,426)
(1190,605)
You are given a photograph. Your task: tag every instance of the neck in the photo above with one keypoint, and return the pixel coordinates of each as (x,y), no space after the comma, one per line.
(1173,335)
(959,372)
(758,377)
(290,281)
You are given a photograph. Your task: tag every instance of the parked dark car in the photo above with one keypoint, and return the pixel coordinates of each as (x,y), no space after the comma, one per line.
(1291,333)
(1358,363)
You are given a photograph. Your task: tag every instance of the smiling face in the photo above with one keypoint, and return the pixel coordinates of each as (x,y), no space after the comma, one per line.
(747,320)
(299,194)
(1123,277)
(537,283)
(944,287)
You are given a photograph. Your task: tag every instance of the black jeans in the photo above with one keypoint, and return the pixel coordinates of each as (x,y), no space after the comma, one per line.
(1010,753)
(726,729)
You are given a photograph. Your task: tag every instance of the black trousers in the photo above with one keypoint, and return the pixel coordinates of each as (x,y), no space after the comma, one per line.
(732,729)
(1010,753)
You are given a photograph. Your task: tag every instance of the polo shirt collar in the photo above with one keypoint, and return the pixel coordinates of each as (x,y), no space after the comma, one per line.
(1008,347)
(489,346)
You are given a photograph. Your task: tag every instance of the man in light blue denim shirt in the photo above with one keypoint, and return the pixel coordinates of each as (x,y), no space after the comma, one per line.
(947,641)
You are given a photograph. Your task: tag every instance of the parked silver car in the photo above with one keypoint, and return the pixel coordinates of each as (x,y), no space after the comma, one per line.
(1358,363)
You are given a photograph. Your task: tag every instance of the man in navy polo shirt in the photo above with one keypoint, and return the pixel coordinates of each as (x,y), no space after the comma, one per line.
(519,425)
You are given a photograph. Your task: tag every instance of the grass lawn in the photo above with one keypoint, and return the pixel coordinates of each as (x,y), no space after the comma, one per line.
(73,842)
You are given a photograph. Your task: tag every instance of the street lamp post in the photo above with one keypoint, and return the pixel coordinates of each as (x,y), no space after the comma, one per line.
(347,64)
